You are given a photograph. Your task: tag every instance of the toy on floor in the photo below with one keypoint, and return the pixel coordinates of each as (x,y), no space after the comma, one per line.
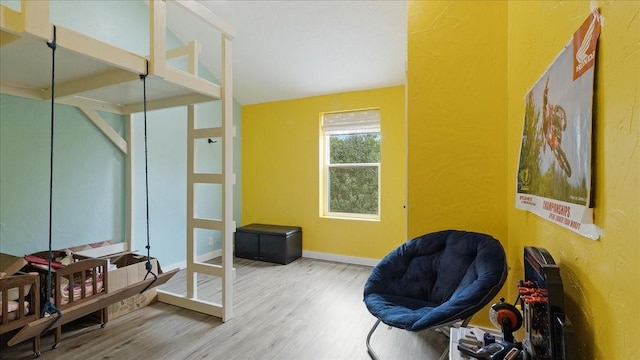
(507,318)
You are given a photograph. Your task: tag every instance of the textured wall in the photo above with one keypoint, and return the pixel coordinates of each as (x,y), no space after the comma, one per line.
(280,166)
(600,277)
(457,117)
(445,42)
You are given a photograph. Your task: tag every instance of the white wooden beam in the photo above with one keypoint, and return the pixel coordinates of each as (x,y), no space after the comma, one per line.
(106,129)
(208,178)
(129,184)
(178,52)
(11,20)
(227,166)
(7,88)
(208,133)
(190,50)
(36,19)
(206,224)
(194,83)
(94,82)
(192,280)
(87,46)
(87,103)
(201,306)
(158,37)
(207,15)
(207,269)
(76,101)
(181,100)
(192,64)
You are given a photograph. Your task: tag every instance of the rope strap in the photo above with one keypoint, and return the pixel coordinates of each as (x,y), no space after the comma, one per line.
(148,265)
(49,309)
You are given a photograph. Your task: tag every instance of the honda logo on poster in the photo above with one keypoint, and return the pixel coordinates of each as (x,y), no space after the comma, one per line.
(584,45)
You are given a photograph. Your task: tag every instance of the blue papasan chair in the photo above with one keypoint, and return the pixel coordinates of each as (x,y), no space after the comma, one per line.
(434,281)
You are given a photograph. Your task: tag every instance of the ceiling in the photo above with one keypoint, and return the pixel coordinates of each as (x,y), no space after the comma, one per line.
(293,49)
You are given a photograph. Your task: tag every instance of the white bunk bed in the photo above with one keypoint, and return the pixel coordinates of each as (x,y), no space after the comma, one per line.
(95,76)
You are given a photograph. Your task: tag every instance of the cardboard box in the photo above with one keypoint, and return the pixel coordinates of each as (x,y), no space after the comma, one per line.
(10,264)
(130,270)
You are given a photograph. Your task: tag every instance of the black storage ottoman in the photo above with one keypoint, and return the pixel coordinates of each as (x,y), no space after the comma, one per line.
(272,243)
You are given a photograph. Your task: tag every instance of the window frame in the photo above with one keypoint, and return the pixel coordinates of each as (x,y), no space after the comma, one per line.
(325,158)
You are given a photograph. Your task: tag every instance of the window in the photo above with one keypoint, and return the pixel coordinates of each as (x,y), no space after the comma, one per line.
(351,164)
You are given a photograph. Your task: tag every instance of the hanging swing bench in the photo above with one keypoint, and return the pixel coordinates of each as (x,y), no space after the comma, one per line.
(98,301)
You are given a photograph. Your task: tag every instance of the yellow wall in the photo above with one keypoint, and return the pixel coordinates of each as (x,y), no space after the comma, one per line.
(280,167)
(456,110)
(457,126)
(600,277)
(470,65)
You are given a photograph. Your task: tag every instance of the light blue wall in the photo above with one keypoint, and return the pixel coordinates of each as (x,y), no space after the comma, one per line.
(124,24)
(88,179)
(166,132)
(24,189)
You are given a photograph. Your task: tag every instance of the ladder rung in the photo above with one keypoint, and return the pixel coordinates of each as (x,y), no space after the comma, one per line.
(208,178)
(207,224)
(207,133)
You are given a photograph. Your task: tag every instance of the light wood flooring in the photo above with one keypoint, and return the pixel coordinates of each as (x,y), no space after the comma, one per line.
(308,309)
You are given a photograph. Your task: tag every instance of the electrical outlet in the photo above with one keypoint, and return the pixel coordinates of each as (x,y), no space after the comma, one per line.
(210,240)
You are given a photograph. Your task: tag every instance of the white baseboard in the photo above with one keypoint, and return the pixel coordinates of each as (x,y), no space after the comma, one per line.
(340,258)
(308,254)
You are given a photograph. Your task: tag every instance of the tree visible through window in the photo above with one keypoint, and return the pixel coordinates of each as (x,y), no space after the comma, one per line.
(352,163)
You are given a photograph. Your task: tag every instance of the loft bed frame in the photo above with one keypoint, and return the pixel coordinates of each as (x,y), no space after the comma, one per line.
(95,76)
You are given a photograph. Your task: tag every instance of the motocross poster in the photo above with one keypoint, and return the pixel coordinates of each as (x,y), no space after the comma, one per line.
(554,170)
